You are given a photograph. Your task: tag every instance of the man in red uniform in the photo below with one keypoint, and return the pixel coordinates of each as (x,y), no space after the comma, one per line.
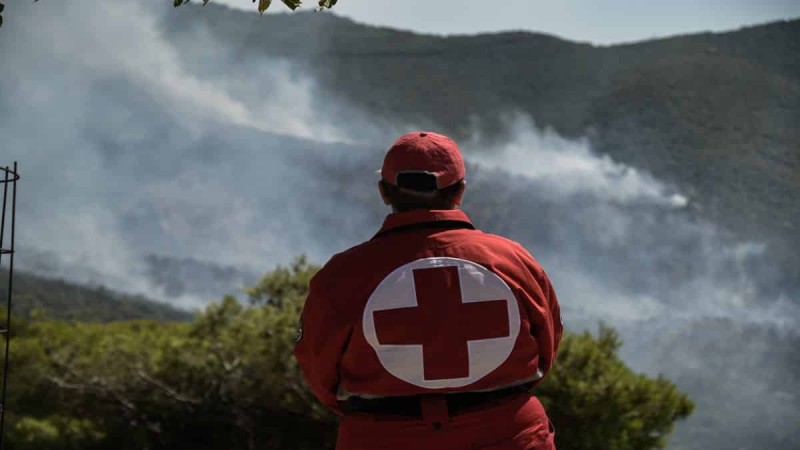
(431,334)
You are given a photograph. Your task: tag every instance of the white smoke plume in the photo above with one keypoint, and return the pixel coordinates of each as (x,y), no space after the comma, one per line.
(567,167)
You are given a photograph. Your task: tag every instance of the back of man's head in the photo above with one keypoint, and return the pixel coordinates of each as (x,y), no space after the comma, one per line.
(423,170)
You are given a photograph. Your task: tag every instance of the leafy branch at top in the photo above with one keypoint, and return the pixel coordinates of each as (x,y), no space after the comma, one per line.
(263,5)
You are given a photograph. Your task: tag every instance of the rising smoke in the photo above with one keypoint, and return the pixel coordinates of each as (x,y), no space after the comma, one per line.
(138,151)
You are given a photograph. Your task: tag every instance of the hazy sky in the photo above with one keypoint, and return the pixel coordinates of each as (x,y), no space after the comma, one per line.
(599,22)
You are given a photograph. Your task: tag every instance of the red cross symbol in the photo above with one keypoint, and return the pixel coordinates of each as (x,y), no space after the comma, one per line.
(442,323)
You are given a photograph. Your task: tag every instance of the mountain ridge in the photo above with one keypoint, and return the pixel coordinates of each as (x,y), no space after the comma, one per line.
(55,298)
(714,113)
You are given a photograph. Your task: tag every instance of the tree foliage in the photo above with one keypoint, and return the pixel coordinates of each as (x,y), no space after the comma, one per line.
(263,5)
(228,379)
(591,393)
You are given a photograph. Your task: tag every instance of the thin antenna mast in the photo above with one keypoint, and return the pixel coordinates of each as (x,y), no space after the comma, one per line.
(9,182)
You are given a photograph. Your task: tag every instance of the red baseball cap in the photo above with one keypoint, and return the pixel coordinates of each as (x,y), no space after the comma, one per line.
(424,152)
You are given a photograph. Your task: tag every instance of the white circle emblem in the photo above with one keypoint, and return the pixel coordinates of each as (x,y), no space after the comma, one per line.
(441,322)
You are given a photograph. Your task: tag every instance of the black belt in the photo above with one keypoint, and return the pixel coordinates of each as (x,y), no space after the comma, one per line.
(409,406)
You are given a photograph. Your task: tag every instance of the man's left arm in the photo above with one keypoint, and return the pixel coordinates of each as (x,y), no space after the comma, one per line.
(544,313)
(556,324)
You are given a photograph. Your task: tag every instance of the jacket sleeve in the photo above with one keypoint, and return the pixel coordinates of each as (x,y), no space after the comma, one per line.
(544,314)
(549,332)
(321,340)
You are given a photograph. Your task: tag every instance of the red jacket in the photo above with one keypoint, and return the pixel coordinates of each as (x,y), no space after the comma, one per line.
(427,305)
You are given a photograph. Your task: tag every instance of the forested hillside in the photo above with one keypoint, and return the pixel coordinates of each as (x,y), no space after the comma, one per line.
(59,299)
(714,113)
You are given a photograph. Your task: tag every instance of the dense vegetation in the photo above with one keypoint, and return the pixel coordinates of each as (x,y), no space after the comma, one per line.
(228,380)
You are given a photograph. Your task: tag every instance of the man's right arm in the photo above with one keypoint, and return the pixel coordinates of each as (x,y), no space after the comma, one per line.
(321,342)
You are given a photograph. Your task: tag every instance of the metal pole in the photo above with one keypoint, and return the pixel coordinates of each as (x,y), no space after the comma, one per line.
(3,221)
(10,288)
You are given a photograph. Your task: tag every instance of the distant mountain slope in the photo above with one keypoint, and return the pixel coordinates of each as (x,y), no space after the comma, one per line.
(188,276)
(59,299)
(715,113)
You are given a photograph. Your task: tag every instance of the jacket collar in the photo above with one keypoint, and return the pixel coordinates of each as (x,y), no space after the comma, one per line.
(423,218)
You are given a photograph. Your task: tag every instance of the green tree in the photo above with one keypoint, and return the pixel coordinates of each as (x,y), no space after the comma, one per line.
(228,379)
(597,402)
